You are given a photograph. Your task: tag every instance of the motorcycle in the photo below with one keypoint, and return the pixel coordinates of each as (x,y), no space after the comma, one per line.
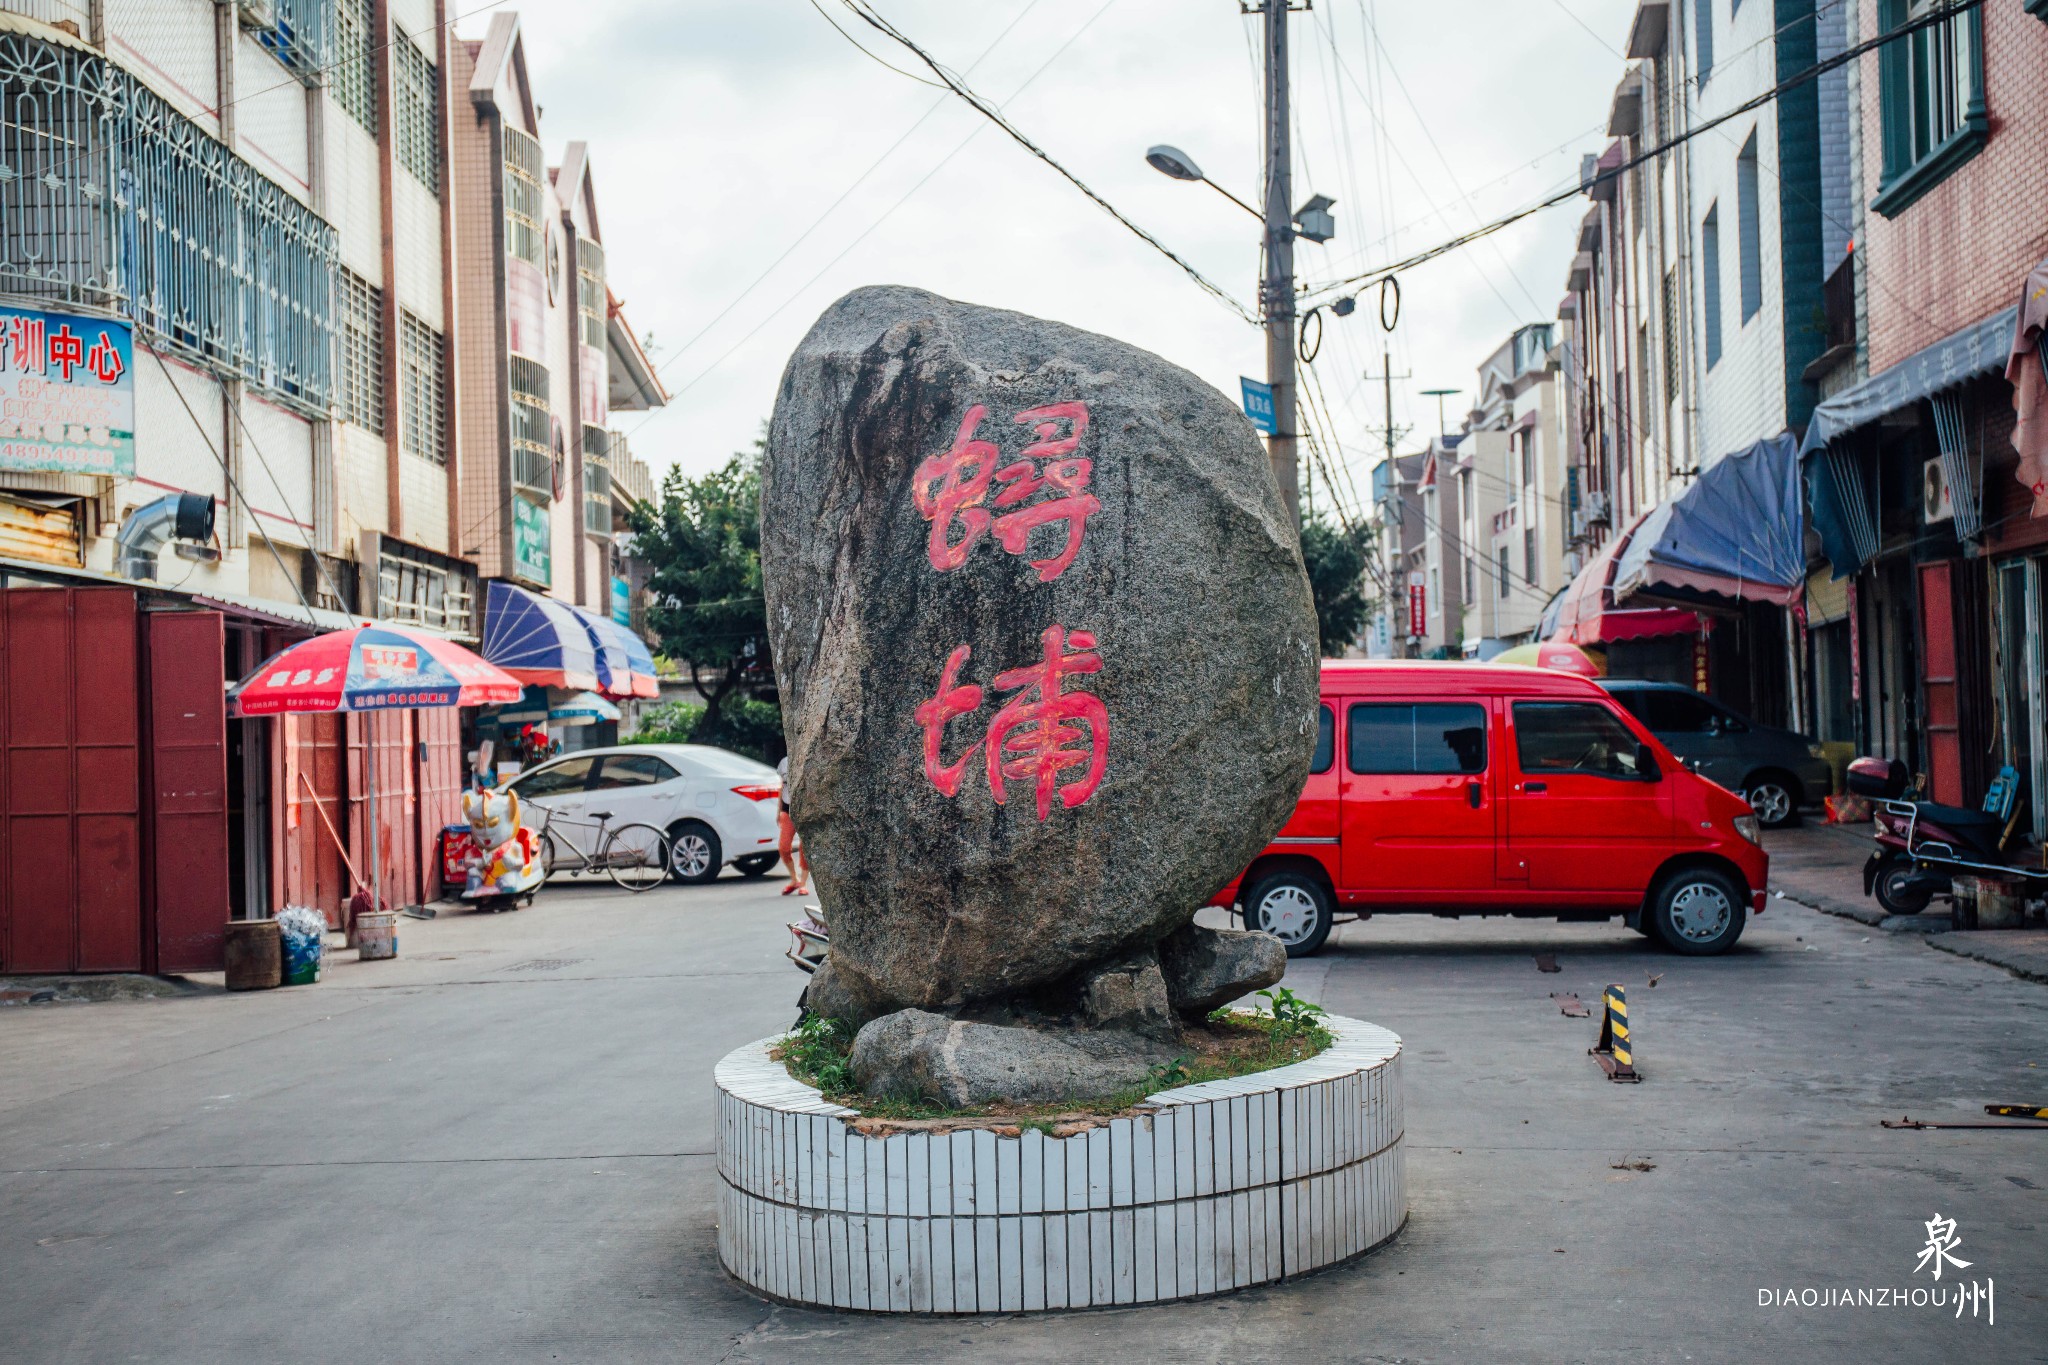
(1922,846)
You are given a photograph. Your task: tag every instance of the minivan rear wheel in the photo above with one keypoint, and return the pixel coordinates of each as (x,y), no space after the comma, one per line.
(1293,907)
(1698,911)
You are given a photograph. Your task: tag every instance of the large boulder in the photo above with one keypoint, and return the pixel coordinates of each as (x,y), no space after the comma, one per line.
(1046,652)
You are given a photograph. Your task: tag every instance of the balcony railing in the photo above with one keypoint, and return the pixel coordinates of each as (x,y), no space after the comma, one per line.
(533,470)
(597,483)
(109,198)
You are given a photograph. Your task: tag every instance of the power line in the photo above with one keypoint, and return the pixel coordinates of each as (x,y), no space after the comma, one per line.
(865,11)
(1814,72)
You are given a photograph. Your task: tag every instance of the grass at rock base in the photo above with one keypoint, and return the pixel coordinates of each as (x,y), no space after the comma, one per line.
(1227,1044)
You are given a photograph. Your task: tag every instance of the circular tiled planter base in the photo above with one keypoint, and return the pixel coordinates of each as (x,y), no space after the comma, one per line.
(1224,1185)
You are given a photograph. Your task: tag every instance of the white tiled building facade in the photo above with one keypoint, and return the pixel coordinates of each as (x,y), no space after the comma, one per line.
(288,211)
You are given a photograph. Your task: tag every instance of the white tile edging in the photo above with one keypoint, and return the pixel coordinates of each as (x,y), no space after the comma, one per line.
(1225,1184)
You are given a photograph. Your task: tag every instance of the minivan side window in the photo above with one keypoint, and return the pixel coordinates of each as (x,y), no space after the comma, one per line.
(1573,737)
(1416,738)
(1326,741)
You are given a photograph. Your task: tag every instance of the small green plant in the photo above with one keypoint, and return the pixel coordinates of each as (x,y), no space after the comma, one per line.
(817,1050)
(1169,1074)
(1292,1015)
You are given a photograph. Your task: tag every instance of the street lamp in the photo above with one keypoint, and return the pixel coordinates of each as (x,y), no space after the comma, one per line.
(1440,395)
(1311,221)
(1172,161)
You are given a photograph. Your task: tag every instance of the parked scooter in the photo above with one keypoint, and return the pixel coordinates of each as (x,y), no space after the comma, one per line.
(1923,845)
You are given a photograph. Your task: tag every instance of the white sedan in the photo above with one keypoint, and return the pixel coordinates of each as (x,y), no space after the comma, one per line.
(717,807)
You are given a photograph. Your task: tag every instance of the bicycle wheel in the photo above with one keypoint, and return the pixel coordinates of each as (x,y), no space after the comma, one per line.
(636,856)
(552,855)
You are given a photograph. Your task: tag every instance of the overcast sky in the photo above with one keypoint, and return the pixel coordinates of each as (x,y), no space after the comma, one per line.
(752,166)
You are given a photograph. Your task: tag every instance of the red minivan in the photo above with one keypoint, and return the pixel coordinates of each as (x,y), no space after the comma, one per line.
(1476,789)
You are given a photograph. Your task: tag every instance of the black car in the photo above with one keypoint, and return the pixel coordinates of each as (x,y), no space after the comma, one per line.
(1778,770)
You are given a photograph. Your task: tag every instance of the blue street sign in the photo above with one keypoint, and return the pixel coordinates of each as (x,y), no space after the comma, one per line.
(1258,404)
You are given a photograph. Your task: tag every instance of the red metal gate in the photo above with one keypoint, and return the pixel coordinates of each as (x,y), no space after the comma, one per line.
(311,814)
(70,829)
(440,788)
(390,735)
(188,786)
(1938,676)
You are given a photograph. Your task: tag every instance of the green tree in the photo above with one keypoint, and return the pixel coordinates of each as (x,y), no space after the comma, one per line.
(704,597)
(1336,559)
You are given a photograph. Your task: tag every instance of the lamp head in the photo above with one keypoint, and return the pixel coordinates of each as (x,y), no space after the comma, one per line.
(1174,162)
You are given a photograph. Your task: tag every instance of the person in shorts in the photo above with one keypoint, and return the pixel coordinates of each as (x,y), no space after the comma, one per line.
(792,850)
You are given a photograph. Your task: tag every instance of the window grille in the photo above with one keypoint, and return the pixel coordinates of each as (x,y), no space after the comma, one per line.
(111,199)
(301,35)
(590,298)
(1667,323)
(533,462)
(1710,282)
(597,481)
(525,206)
(354,75)
(359,336)
(422,378)
(414,92)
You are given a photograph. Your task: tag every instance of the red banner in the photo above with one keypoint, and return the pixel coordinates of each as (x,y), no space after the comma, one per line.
(1417,607)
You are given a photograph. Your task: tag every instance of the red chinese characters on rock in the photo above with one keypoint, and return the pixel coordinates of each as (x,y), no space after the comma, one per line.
(952,487)
(1037,735)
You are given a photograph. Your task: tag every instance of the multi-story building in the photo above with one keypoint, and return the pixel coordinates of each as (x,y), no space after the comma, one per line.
(1445,573)
(1927,639)
(237,262)
(1397,507)
(1512,461)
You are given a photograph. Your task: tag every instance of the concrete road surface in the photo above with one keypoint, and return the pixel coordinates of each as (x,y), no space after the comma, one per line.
(499,1148)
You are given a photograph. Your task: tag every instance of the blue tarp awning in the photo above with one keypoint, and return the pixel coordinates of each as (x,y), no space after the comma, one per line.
(1843,514)
(1738,532)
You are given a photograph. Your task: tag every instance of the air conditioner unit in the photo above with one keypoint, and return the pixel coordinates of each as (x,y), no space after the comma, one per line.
(1597,510)
(1935,503)
(258,14)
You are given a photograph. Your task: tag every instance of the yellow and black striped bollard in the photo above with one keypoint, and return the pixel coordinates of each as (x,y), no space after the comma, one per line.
(1615,1053)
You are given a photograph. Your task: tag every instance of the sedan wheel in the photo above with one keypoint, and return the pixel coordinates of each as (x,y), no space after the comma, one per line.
(694,855)
(1772,801)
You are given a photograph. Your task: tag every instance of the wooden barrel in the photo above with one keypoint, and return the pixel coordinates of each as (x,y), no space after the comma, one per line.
(376,935)
(254,959)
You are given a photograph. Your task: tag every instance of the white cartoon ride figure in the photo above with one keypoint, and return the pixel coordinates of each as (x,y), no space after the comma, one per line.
(507,861)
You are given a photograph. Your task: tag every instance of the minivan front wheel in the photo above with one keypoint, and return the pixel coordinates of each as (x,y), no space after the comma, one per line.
(1293,907)
(1698,911)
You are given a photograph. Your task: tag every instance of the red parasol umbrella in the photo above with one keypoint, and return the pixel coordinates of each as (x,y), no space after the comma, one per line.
(371,668)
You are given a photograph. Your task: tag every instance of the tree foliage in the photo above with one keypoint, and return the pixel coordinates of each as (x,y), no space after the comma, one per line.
(1336,559)
(703,542)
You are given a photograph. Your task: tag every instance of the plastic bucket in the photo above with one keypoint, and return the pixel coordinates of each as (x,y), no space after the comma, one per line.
(376,935)
(301,960)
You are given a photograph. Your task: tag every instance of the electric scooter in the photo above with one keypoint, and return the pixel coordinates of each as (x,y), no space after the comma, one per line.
(1922,846)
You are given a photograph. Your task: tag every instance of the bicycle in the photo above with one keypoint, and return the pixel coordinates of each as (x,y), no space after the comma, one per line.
(636,856)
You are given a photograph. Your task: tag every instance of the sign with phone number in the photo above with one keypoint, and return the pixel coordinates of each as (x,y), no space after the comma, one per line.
(67,393)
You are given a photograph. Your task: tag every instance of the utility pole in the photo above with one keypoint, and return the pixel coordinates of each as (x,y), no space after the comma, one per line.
(1392,514)
(1386,376)
(1276,294)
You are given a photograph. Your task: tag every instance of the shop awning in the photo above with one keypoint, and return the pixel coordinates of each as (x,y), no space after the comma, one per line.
(1587,614)
(537,639)
(615,648)
(1739,532)
(1843,513)
(2026,369)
